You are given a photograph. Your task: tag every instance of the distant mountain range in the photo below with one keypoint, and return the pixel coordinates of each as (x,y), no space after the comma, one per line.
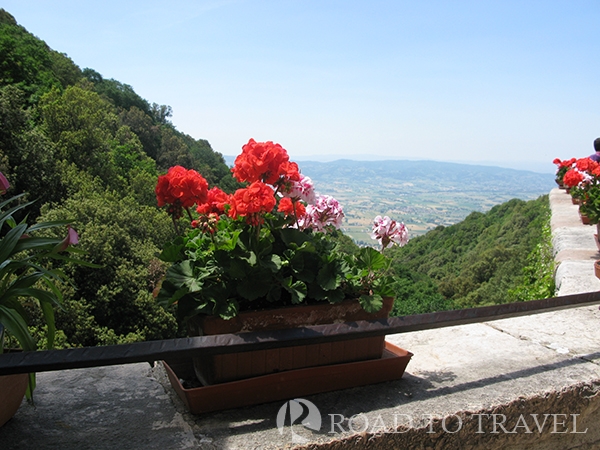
(423,194)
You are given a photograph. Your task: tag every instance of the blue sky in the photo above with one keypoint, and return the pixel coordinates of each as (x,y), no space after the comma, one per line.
(513,83)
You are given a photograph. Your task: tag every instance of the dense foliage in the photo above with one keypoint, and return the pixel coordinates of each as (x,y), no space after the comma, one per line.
(495,257)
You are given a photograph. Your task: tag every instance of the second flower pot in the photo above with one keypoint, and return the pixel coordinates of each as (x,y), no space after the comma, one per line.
(238,366)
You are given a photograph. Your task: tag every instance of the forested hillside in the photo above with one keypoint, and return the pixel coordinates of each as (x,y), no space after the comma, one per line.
(89,149)
(496,257)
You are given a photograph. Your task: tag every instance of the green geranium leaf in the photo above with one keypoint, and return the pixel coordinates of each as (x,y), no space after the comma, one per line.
(297,262)
(335,296)
(253,287)
(169,294)
(226,309)
(317,292)
(274,294)
(171,252)
(189,306)
(328,277)
(238,268)
(370,259)
(293,236)
(371,303)
(229,243)
(182,275)
(298,290)
(272,262)
(384,286)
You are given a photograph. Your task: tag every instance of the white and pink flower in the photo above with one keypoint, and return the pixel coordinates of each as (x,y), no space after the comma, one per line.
(302,189)
(326,211)
(388,231)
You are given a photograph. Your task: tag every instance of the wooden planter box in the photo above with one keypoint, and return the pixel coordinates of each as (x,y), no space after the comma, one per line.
(238,366)
(287,385)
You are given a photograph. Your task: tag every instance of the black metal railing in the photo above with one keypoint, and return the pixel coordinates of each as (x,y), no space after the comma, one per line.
(51,360)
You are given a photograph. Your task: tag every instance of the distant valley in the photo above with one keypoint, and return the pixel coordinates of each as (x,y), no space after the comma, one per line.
(422,194)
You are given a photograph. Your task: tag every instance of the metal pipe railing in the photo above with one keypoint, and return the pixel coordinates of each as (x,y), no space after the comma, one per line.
(51,360)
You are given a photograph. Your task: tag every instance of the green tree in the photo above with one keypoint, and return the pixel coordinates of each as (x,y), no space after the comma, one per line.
(81,125)
(28,155)
(121,95)
(25,61)
(114,303)
(141,124)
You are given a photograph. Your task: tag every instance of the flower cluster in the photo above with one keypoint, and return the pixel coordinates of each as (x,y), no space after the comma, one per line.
(388,231)
(271,242)
(573,177)
(581,177)
(325,212)
(266,162)
(181,189)
(274,180)
(562,167)
(582,170)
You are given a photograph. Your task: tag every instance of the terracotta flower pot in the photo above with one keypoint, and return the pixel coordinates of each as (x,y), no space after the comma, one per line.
(12,391)
(238,366)
(597,241)
(597,268)
(584,219)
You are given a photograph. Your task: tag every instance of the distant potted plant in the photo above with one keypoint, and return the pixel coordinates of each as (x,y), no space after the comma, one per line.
(562,167)
(247,257)
(24,278)
(584,182)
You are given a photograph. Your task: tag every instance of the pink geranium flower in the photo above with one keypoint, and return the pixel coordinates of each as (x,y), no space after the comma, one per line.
(324,213)
(388,231)
(4,184)
(303,189)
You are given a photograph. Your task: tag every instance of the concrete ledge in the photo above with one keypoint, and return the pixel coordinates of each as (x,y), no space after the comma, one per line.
(479,386)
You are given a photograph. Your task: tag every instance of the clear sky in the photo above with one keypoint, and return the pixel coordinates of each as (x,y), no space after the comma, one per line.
(511,82)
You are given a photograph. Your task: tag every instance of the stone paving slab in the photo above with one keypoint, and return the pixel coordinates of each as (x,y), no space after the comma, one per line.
(117,407)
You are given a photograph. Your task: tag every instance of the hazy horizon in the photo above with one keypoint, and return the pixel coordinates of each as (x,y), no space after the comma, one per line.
(530,166)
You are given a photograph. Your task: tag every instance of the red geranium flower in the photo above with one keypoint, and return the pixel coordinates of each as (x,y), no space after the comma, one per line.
(252,202)
(291,208)
(572,178)
(215,202)
(586,164)
(262,161)
(181,187)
